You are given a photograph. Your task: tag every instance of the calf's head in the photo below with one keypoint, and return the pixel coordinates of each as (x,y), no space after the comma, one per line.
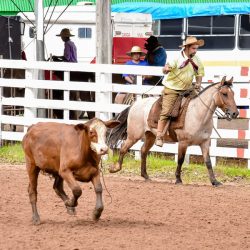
(97,131)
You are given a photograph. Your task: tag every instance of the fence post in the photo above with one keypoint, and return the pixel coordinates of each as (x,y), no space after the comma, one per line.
(1,106)
(103,97)
(66,95)
(30,94)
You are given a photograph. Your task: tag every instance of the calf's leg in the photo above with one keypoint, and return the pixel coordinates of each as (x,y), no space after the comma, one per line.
(58,187)
(33,173)
(205,153)
(98,190)
(67,175)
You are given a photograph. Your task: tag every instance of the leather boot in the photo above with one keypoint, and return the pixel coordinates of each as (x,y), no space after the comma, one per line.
(159,136)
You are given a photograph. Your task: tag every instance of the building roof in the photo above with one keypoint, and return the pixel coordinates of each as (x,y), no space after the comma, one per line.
(160,9)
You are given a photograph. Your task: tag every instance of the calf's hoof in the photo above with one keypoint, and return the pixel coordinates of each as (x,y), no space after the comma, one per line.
(71,210)
(71,203)
(97,213)
(36,221)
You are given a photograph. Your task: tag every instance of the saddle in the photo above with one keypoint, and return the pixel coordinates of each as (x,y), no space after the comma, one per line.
(177,114)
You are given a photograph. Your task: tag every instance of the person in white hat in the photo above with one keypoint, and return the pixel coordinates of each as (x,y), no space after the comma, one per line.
(180,73)
(136,54)
(70,51)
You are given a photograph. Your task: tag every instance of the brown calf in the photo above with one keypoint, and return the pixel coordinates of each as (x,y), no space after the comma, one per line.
(67,152)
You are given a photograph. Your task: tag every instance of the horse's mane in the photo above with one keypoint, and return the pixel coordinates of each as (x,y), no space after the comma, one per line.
(226,83)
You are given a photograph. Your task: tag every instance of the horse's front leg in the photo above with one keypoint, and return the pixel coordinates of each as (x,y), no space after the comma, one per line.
(205,152)
(124,149)
(148,143)
(98,190)
(182,148)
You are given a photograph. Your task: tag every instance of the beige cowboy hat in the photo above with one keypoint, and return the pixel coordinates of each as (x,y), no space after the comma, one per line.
(192,40)
(65,33)
(136,49)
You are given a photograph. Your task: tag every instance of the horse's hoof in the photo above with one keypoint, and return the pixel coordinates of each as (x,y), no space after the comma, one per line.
(71,210)
(97,213)
(114,169)
(145,176)
(178,182)
(216,183)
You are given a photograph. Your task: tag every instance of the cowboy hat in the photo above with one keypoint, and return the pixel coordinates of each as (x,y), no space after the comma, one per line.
(152,40)
(136,49)
(192,40)
(65,33)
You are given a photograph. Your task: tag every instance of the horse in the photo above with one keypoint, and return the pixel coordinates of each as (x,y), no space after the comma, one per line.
(196,130)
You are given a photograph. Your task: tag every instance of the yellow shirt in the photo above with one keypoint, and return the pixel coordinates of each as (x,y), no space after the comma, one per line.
(181,79)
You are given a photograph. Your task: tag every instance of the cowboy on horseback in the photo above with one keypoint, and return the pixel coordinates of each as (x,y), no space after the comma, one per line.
(180,73)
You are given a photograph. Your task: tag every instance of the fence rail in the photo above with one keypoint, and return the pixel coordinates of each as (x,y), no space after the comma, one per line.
(104,108)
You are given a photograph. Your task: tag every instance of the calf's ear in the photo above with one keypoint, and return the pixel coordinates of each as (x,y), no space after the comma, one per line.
(81,126)
(112,123)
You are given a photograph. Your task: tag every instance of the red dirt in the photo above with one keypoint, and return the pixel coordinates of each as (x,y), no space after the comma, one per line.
(143,215)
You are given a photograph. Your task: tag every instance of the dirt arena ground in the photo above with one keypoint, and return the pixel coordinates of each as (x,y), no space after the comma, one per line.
(143,215)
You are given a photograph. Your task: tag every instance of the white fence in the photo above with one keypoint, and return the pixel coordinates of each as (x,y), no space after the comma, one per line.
(104,108)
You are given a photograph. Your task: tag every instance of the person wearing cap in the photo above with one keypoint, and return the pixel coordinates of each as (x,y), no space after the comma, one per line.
(180,73)
(135,53)
(156,54)
(70,51)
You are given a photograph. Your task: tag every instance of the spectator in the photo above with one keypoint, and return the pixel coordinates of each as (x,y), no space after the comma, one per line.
(156,56)
(136,53)
(70,51)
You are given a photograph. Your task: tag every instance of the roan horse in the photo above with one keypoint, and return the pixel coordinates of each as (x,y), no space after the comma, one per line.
(196,130)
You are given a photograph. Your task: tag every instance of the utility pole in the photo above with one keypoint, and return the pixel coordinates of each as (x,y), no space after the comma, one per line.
(103,50)
(39,48)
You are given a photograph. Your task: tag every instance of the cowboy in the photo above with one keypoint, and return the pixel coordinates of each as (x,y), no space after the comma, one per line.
(156,55)
(70,51)
(135,53)
(180,73)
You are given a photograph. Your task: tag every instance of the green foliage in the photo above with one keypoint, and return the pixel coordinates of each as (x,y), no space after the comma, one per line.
(158,166)
(12,154)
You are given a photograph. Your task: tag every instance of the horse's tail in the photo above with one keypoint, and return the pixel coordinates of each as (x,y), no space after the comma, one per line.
(119,132)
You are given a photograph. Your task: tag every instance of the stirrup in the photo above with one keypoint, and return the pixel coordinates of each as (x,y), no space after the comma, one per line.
(159,141)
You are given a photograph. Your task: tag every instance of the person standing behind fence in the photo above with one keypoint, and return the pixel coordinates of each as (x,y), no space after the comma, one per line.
(70,50)
(156,56)
(69,55)
(135,53)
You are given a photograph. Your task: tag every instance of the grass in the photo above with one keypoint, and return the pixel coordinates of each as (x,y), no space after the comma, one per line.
(158,166)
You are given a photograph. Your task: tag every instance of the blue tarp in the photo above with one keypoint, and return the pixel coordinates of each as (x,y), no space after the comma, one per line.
(170,11)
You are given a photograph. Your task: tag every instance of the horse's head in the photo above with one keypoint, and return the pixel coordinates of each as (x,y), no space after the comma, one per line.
(225,99)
